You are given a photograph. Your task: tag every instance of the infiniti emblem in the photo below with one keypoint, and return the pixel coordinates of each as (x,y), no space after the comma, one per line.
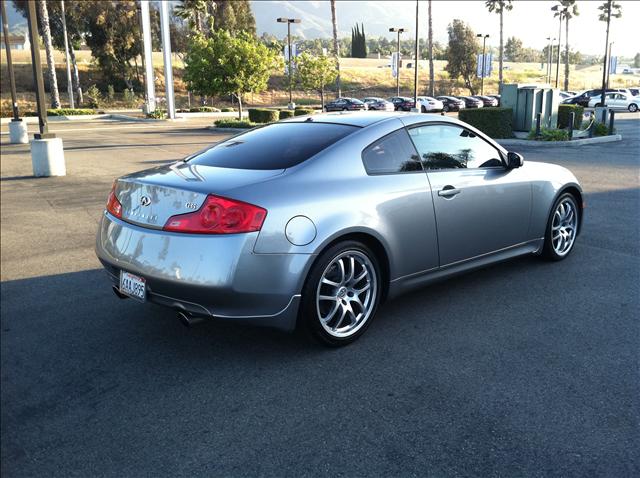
(145,200)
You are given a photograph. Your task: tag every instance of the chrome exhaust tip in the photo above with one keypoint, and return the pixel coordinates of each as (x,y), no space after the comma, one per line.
(188,320)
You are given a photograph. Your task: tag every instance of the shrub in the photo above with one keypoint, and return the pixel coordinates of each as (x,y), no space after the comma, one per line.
(563,115)
(495,122)
(228,110)
(224,123)
(158,113)
(601,129)
(262,115)
(129,97)
(93,97)
(303,111)
(111,92)
(550,135)
(70,112)
(204,109)
(283,114)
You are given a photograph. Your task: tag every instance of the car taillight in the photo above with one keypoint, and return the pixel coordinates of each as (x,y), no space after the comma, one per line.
(113,205)
(219,215)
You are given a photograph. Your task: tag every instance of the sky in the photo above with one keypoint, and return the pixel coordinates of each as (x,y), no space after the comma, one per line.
(531,21)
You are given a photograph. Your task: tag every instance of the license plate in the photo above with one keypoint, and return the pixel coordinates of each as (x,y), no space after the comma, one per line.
(133,285)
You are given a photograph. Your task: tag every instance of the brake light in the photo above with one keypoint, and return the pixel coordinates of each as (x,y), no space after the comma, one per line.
(113,205)
(219,215)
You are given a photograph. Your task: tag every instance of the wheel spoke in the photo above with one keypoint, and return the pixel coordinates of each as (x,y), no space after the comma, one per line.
(342,274)
(362,275)
(326,297)
(361,290)
(352,269)
(339,323)
(330,282)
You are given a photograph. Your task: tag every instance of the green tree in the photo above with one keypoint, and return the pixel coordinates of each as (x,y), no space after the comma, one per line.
(513,49)
(315,72)
(193,12)
(636,61)
(226,64)
(358,42)
(235,16)
(461,53)
(499,7)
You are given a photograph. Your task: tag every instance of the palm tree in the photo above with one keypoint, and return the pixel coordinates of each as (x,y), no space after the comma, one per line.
(192,11)
(336,51)
(499,6)
(607,10)
(430,46)
(48,46)
(569,10)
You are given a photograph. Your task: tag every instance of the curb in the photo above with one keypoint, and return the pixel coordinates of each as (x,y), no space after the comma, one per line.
(53,119)
(545,144)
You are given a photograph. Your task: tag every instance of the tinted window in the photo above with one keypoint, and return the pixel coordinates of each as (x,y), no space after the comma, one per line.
(450,146)
(392,154)
(277,146)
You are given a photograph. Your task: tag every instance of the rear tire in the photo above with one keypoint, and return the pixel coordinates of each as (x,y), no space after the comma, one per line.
(423,109)
(633,107)
(341,294)
(562,228)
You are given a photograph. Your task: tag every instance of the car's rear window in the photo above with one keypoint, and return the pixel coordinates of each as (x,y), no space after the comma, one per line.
(276,146)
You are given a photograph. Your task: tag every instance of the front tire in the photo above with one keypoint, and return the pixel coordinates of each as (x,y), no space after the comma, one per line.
(633,107)
(445,108)
(423,109)
(562,228)
(341,294)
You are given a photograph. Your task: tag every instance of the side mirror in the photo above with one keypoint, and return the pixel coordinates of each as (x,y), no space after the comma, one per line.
(514,160)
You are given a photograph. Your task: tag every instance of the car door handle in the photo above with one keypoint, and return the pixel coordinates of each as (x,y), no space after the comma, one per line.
(448,192)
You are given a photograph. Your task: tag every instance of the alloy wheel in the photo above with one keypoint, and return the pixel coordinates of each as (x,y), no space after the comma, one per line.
(346,293)
(564,227)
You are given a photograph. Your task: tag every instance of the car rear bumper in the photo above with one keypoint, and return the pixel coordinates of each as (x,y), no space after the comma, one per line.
(206,275)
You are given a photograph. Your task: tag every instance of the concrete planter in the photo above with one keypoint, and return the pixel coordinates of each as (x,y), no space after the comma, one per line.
(47,157)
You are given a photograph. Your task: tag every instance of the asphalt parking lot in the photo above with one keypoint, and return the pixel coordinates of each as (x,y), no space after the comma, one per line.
(524,369)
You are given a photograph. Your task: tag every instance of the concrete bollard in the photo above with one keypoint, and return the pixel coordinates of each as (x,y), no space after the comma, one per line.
(18,133)
(47,157)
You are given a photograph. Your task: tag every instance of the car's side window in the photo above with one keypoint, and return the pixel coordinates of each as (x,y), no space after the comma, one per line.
(394,153)
(443,146)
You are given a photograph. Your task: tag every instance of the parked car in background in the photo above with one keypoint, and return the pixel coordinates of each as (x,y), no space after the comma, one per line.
(378,104)
(574,100)
(345,104)
(486,100)
(451,103)
(617,101)
(635,91)
(585,97)
(471,102)
(497,97)
(427,104)
(402,103)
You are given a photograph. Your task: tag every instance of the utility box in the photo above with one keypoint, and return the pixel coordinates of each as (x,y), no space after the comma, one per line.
(527,101)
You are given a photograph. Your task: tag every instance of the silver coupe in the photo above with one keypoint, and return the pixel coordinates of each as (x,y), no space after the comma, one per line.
(314,221)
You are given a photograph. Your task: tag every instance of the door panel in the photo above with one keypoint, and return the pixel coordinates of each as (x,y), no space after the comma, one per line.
(489,212)
(480,206)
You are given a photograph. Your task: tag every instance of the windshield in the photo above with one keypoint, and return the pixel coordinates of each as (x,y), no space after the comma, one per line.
(276,146)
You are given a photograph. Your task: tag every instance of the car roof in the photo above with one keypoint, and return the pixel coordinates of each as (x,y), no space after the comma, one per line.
(361,119)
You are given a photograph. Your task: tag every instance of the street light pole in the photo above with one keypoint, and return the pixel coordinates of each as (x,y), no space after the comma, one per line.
(289,21)
(398,31)
(549,56)
(609,64)
(37,72)
(484,45)
(562,13)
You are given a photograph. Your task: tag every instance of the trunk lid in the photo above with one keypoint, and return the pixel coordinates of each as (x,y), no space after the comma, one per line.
(149,198)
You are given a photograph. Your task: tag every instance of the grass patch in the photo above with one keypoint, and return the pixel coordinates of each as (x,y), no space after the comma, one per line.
(550,135)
